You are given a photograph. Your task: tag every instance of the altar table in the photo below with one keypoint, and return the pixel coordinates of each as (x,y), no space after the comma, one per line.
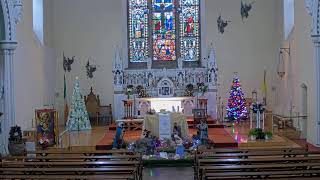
(151,123)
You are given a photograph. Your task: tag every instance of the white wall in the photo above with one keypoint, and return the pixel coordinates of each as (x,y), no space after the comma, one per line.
(299,70)
(33,72)
(247,48)
(87,29)
(93,28)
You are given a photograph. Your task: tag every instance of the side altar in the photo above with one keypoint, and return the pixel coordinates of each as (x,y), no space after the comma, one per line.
(164,88)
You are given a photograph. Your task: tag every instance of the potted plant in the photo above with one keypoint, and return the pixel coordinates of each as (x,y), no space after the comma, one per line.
(268,135)
(202,88)
(129,91)
(16,145)
(252,134)
(260,133)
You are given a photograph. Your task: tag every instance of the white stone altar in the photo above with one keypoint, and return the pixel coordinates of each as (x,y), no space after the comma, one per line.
(161,124)
(165,87)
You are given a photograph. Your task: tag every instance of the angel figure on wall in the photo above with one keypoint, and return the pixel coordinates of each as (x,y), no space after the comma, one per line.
(222,24)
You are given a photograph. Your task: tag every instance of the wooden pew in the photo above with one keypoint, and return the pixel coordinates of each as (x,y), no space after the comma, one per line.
(215,160)
(123,169)
(84,153)
(252,167)
(287,174)
(68,177)
(63,157)
(221,153)
(46,162)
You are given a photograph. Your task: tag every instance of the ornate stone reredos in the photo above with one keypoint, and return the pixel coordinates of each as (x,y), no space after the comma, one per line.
(165,82)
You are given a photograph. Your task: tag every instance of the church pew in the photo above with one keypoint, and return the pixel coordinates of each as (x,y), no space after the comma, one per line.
(71,165)
(68,177)
(255,163)
(220,153)
(85,153)
(286,174)
(63,157)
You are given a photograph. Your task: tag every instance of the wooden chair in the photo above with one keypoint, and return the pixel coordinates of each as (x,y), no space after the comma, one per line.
(105,114)
(198,116)
(93,106)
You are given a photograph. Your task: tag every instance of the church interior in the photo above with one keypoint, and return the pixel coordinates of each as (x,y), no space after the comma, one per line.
(148,89)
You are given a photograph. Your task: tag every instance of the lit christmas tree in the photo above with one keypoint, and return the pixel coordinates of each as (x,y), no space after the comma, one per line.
(236,109)
(78,116)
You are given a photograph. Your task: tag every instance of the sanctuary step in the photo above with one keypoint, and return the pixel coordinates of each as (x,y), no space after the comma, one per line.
(137,125)
(212,123)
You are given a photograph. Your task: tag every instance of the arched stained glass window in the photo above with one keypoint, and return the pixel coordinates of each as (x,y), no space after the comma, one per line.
(189,30)
(164,30)
(138,30)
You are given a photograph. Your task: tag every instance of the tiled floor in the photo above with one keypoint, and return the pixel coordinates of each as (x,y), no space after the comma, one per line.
(169,173)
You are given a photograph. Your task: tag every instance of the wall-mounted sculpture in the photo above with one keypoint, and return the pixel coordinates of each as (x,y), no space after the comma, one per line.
(245,9)
(222,24)
(90,69)
(67,62)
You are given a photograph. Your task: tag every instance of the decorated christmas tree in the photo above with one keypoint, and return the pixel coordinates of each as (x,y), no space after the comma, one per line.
(236,109)
(78,118)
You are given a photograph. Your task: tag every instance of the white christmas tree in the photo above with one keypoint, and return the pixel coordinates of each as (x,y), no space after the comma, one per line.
(78,118)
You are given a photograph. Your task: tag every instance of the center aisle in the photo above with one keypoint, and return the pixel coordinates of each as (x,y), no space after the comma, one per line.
(170,173)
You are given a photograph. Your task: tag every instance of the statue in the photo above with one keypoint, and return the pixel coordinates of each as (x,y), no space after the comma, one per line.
(118,139)
(180,63)
(149,63)
(180,79)
(150,80)
(179,147)
(176,130)
(203,131)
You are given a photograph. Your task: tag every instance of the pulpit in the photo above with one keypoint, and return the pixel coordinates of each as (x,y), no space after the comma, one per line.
(128,109)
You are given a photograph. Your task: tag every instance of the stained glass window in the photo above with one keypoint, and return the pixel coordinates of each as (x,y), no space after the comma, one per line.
(138,30)
(189,30)
(164,33)
(169,25)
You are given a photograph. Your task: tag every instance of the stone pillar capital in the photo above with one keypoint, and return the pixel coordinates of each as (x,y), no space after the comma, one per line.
(8,45)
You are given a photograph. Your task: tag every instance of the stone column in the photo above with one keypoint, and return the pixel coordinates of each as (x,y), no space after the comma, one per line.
(7,49)
(316,41)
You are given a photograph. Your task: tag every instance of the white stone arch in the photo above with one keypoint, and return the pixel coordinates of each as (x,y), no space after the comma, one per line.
(12,11)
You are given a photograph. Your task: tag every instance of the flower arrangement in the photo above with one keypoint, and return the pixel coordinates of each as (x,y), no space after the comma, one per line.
(16,145)
(141,92)
(129,91)
(44,142)
(189,90)
(202,88)
(257,107)
(15,135)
